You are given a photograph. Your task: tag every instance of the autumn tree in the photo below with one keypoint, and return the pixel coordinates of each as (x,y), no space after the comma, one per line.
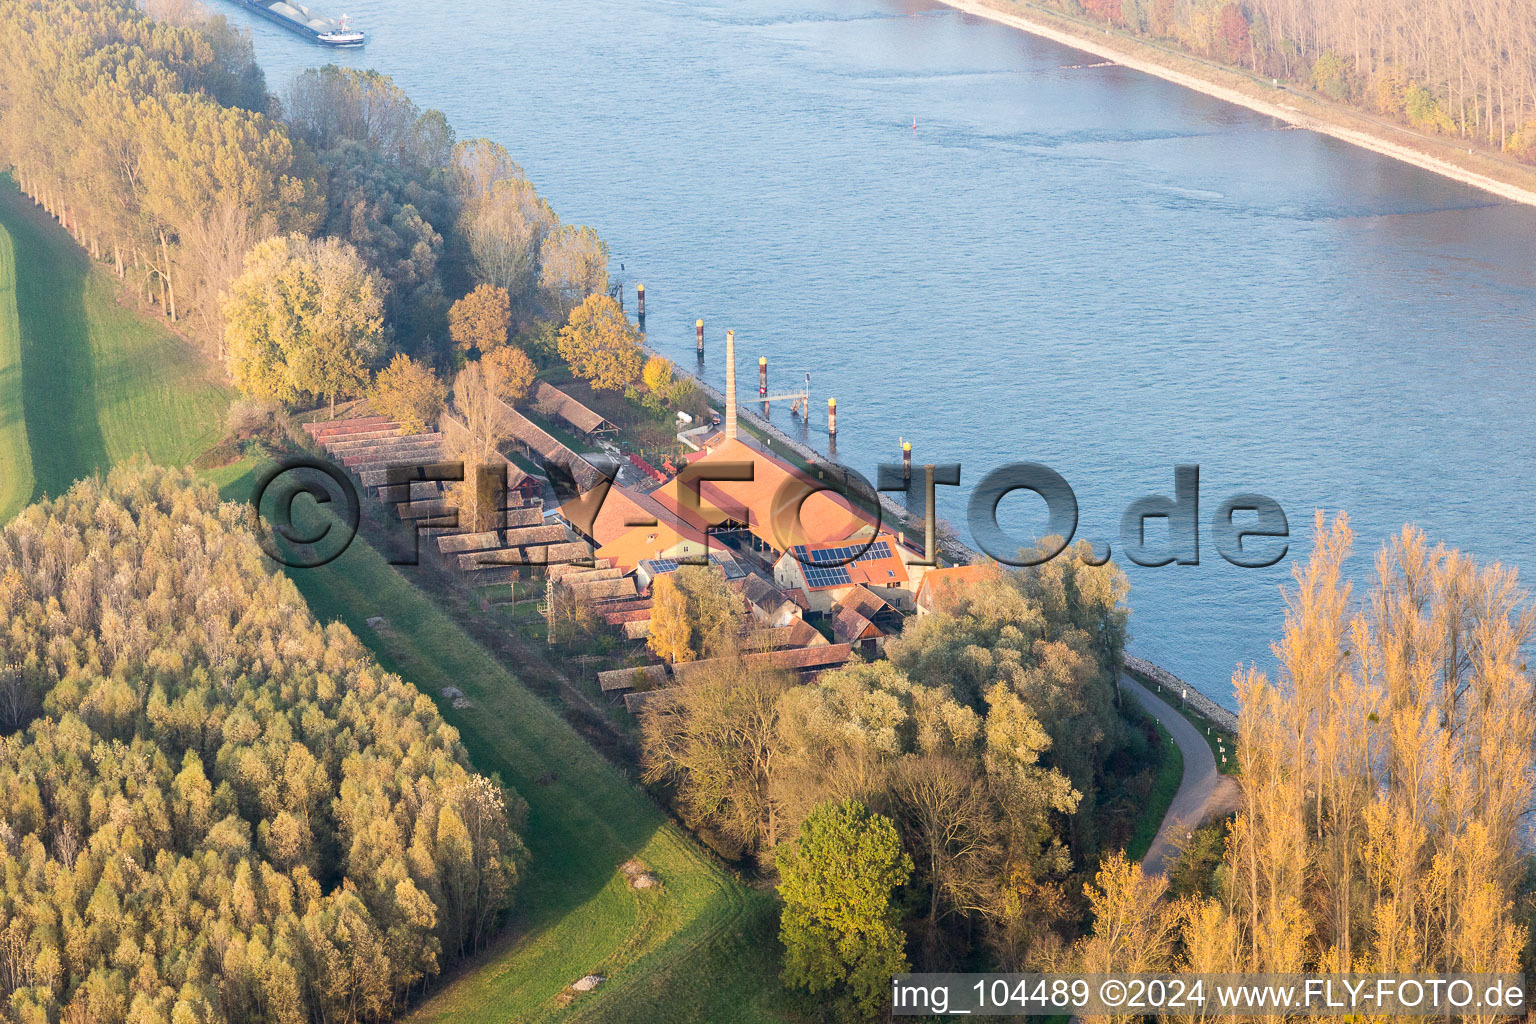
(150,143)
(410,393)
(694,614)
(969,793)
(217,180)
(333,103)
(304,318)
(1463,69)
(573,265)
(601,345)
(840,926)
(505,228)
(510,372)
(1383,770)
(1134,931)
(476,165)
(717,741)
(480,320)
(1053,635)
(476,442)
(657,374)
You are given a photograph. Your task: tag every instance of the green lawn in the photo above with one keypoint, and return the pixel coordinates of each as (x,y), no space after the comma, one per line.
(96,382)
(700,948)
(1169,774)
(15,454)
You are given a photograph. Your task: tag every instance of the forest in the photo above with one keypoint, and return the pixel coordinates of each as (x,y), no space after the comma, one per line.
(303,240)
(216,808)
(1465,68)
(992,739)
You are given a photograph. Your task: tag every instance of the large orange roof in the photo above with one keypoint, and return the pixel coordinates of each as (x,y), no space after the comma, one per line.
(620,510)
(779,503)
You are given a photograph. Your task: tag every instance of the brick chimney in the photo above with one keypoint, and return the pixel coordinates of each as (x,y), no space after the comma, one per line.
(730,385)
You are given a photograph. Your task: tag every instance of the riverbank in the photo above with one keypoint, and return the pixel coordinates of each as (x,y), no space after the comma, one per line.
(1490,172)
(1198,706)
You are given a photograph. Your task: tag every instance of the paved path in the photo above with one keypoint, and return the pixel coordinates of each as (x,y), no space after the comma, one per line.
(1202,791)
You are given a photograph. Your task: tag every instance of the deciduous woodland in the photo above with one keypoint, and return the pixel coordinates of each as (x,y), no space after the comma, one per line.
(303,240)
(992,741)
(215,808)
(1456,67)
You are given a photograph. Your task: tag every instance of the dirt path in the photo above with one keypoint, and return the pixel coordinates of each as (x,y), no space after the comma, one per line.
(1202,791)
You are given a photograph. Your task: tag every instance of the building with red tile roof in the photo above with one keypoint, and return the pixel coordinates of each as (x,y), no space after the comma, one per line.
(940,585)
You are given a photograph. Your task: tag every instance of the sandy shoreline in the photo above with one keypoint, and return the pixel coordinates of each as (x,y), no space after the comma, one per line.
(1378,140)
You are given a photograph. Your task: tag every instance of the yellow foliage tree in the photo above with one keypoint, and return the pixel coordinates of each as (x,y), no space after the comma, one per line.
(305,317)
(657,376)
(510,373)
(410,393)
(693,615)
(1133,931)
(481,319)
(601,345)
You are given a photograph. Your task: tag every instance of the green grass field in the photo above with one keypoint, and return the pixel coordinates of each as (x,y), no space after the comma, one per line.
(16,480)
(84,382)
(1164,787)
(701,948)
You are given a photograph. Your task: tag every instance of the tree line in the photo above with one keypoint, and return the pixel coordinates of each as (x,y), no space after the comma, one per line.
(1387,778)
(216,808)
(1458,67)
(151,143)
(305,240)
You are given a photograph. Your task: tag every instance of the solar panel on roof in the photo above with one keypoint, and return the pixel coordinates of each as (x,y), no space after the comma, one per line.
(824,576)
(662,566)
(843,554)
(879,549)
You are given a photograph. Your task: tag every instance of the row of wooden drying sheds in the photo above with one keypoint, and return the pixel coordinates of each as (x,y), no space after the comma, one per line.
(397,467)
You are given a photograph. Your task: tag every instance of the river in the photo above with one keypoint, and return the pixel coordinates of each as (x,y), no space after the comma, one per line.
(1082,266)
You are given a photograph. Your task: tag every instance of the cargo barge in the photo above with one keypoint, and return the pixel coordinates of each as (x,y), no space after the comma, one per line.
(295,17)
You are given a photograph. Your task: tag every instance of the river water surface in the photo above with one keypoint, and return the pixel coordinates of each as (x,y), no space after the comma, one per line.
(1085,267)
